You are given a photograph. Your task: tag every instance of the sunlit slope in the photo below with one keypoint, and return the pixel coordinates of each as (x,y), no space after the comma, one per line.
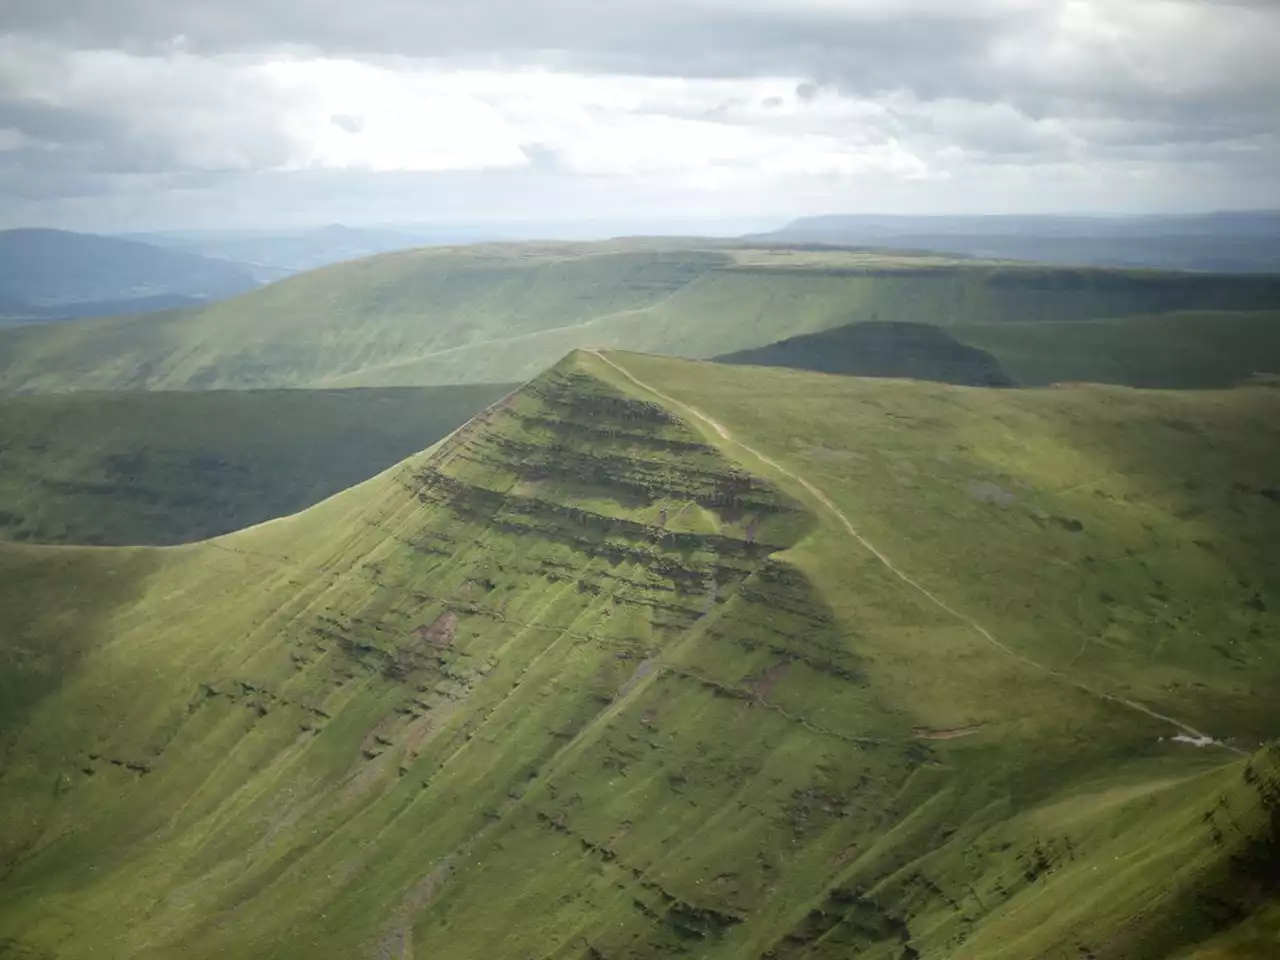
(502,313)
(1102,529)
(163,467)
(609,674)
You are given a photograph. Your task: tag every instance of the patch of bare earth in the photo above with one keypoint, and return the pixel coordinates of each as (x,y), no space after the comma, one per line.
(762,684)
(397,942)
(440,632)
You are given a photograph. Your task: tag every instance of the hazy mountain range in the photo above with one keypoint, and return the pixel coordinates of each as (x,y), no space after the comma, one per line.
(1232,242)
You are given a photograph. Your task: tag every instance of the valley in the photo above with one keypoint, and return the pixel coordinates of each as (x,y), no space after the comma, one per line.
(130,468)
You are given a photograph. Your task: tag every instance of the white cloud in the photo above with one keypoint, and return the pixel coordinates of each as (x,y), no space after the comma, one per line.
(230,113)
(709,132)
(406,119)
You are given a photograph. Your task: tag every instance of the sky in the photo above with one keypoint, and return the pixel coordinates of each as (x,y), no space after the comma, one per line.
(170,114)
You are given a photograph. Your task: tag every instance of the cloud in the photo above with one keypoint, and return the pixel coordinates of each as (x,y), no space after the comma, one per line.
(820,101)
(179,112)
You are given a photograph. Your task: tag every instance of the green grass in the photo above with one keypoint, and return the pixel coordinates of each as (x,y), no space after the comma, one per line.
(588,679)
(502,313)
(1179,350)
(160,468)
(1199,350)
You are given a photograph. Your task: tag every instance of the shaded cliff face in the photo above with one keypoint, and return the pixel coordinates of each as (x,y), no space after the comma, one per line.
(569,685)
(917,351)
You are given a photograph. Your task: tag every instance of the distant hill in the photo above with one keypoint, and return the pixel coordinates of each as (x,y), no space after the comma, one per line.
(660,659)
(273,255)
(1225,242)
(1180,350)
(913,350)
(499,313)
(160,468)
(55,273)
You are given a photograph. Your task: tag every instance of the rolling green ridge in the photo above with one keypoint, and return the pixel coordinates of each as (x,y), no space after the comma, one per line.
(659,659)
(162,468)
(501,313)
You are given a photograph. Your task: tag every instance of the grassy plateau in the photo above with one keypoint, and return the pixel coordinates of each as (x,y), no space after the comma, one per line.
(658,658)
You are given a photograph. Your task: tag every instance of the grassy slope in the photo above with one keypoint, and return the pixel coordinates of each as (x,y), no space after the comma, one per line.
(1191,349)
(1128,518)
(501,313)
(589,680)
(133,468)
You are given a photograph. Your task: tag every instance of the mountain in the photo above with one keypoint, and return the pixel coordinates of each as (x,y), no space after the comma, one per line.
(275,254)
(161,468)
(54,274)
(502,312)
(1229,242)
(658,659)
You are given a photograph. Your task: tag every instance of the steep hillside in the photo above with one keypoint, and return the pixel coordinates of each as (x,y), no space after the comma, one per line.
(44,270)
(501,313)
(158,468)
(656,659)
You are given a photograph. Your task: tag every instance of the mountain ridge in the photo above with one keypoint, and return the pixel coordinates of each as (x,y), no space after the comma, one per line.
(500,675)
(500,313)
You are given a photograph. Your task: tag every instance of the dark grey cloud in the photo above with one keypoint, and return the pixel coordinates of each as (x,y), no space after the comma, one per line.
(352,123)
(52,122)
(931,47)
(630,33)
